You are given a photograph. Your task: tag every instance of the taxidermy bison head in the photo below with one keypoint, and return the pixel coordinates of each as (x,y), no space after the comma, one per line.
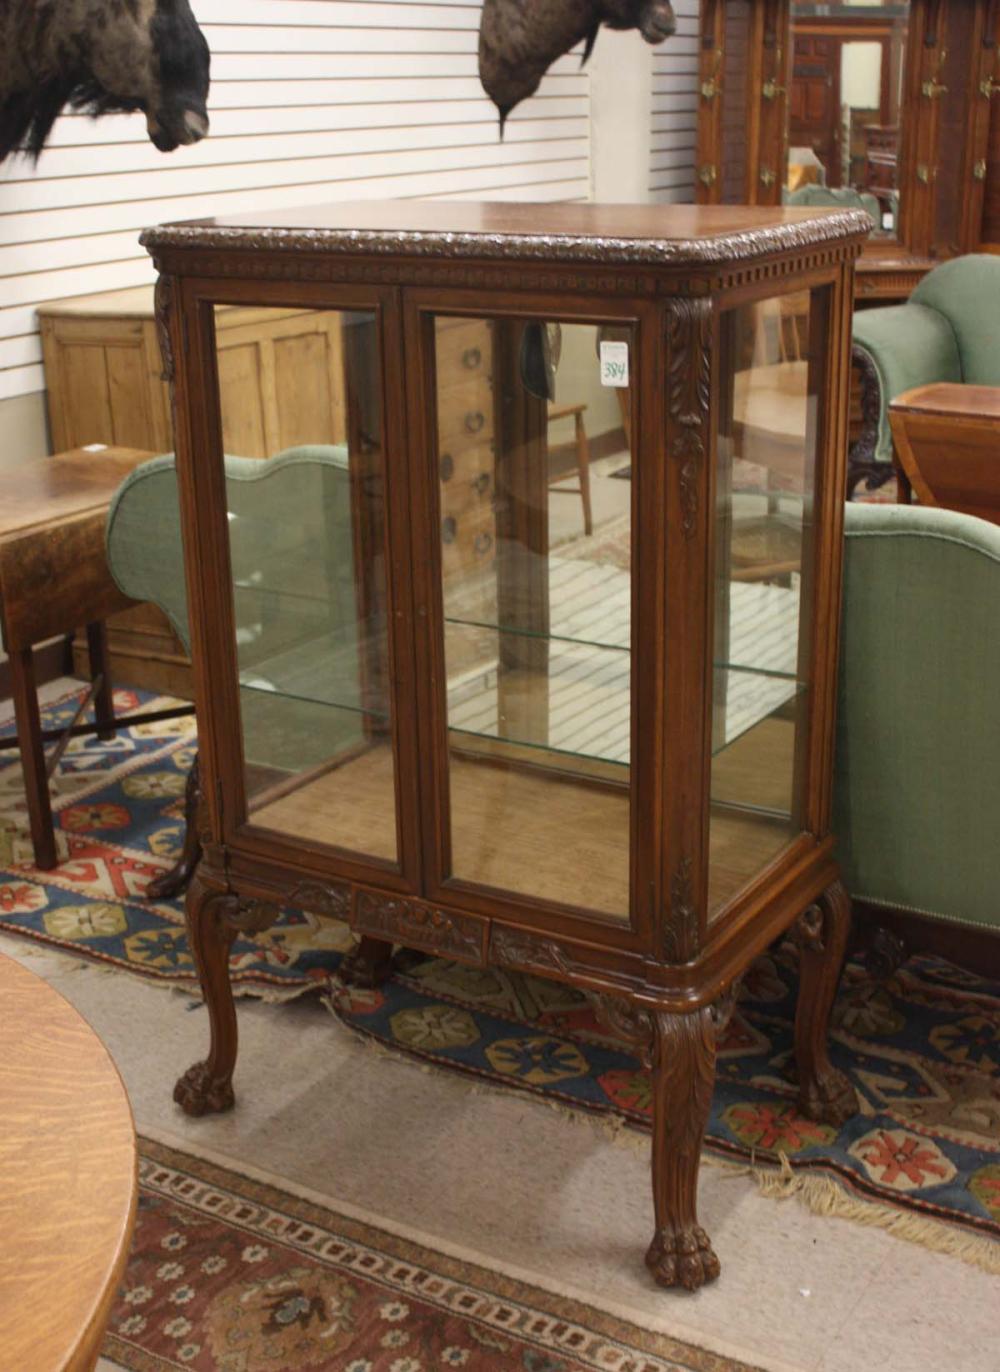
(520,39)
(101,57)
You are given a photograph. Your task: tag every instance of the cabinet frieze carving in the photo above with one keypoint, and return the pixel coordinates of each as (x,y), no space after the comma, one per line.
(413,922)
(322,899)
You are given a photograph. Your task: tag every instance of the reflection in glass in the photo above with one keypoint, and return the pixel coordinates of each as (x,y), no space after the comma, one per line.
(305,499)
(535,559)
(764,486)
(844,104)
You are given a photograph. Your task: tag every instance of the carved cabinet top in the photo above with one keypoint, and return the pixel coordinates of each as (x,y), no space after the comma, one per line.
(581,234)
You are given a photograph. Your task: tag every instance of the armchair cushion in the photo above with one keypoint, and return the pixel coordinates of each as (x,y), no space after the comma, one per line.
(948,330)
(909,345)
(917,776)
(967,292)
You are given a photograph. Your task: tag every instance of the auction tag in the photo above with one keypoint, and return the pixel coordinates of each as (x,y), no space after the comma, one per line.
(614,363)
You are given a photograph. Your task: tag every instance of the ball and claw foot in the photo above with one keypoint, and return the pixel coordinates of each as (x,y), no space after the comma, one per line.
(830,1099)
(199,1093)
(682,1258)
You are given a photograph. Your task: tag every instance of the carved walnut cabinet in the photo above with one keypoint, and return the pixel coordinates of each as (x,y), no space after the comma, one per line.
(603,758)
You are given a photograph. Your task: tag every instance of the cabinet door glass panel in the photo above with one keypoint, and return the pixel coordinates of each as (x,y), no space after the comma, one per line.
(764,489)
(536,532)
(305,489)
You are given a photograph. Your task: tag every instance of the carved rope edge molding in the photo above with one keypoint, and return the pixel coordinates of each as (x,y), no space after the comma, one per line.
(719,250)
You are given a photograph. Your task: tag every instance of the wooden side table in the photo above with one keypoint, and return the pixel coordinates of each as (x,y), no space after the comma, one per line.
(68,1182)
(946,441)
(53,578)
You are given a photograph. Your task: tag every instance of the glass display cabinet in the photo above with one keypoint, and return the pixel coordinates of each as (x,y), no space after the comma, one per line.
(518,642)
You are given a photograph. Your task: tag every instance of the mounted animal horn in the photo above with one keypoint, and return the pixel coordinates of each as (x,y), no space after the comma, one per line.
(520,39)
(101,57)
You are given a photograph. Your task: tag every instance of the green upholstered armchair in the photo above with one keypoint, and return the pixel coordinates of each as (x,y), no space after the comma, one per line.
(948,330)
(291,551)
(836,196)
(917,777)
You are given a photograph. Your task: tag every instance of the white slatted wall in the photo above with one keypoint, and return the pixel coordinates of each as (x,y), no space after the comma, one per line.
(675,110)
(311,100)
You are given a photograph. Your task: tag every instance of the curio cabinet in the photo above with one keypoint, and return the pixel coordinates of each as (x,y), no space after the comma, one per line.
(514,624)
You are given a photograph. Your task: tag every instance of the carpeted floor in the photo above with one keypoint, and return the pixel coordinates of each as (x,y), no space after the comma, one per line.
(924,1052)
(231,1272)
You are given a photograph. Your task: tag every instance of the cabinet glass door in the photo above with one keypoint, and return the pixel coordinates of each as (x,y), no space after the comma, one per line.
(765,473)
(305,488)
(535,504)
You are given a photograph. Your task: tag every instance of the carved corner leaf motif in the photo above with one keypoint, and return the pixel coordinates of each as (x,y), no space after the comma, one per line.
(689,398)
(681,934)
(628,1021)
(810,929)
(163,304)
(416,924)
(247,916)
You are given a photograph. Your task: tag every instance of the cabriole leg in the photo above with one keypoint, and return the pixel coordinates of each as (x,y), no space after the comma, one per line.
(683,1063)
(825,1094)
(213,920)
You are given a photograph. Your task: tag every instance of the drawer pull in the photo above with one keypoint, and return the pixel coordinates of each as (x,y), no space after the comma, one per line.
(447,467)
(472,358)
(482,483)
(475,421)
(483,543)
(448,529)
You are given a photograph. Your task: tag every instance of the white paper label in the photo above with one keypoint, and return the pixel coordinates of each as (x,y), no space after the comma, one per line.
(614,363)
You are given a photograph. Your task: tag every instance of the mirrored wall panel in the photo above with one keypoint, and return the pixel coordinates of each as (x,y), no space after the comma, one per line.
(845,101)
(764,494)
(535,492)
(305,487)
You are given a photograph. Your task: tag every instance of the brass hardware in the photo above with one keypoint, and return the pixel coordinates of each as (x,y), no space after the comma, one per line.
(925,174)
(979,169)
(770,89)
(713,86)
(933,88)
(707,174)
(767,177)
(989,87)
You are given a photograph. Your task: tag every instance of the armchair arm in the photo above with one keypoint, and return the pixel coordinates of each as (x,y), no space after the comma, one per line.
(905,346)
(916,799)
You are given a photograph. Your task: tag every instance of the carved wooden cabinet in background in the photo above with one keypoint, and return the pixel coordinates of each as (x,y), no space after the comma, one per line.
(604,760)
(785,79)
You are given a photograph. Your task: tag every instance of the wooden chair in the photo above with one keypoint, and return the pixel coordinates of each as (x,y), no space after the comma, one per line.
(556,474)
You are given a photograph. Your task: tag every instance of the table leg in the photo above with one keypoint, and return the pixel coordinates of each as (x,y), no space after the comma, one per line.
(104,705)
(29,737)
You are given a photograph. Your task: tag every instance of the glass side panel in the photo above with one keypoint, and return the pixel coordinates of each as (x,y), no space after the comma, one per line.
(764,490)
(305,487)
(536,534)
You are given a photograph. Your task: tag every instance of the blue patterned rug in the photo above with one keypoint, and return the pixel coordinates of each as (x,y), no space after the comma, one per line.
(923,1050)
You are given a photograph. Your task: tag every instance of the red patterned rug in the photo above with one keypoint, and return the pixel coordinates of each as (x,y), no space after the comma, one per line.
(229,1274)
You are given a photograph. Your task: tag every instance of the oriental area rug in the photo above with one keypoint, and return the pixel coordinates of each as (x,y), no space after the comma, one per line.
(921,1158)
(231,1274)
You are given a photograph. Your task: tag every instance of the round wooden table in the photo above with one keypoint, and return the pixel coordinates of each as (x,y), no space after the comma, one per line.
(67,1179)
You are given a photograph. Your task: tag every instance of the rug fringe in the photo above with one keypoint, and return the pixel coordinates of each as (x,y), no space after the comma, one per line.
(824,1195)
(821,1195)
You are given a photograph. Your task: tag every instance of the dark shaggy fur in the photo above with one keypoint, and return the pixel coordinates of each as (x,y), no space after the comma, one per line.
(520,39)
(101,57)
